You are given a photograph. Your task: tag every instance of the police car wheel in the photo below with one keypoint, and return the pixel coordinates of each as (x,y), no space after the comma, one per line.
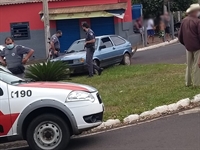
(126,60)
(48,132)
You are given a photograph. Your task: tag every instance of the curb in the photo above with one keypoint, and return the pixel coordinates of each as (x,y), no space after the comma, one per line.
(158,45)
(181,105)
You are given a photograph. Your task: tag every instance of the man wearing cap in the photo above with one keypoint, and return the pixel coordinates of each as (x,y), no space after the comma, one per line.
(90,49)
(189,36)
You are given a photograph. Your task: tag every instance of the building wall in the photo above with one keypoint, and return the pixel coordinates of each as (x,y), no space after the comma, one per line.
(124,27)
(25,13)
(29,13)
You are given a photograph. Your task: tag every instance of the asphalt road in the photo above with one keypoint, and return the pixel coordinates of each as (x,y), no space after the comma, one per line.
(174,53)
(171,133)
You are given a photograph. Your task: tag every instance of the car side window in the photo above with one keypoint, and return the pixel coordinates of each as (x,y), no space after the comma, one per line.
(117,40)
(107,42)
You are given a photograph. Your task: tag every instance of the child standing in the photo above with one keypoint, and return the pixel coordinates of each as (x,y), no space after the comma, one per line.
(162,31)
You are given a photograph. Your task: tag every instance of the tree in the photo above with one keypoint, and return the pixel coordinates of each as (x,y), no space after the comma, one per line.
(181,5)
(155,7)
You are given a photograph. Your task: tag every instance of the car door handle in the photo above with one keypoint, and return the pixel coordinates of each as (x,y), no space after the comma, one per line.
(113,47)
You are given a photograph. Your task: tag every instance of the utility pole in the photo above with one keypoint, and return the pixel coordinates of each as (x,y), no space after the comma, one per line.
(46,25)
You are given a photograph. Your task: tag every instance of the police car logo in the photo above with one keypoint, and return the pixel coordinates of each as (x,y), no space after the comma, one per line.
(13,54)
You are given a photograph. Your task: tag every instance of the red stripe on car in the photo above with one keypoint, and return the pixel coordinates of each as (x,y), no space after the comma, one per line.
(54,85)
(6,122)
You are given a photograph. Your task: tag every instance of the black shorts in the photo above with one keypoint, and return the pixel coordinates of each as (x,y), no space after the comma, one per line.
(167,30)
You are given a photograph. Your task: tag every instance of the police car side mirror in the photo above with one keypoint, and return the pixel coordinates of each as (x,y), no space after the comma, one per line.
(1,92)
(102,47)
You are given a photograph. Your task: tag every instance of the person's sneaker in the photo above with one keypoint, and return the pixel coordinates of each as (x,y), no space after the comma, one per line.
(100,71)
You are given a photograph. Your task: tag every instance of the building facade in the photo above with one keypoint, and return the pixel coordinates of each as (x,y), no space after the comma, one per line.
(23,21)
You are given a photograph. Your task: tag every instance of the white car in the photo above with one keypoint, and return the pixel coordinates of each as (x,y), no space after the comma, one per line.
(1,47)
(46,114)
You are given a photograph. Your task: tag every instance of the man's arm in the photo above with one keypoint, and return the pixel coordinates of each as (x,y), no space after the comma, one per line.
(52,43)
(52,46)
(92,37)
(2,55)
(180,36)
(198,25)
(25,50)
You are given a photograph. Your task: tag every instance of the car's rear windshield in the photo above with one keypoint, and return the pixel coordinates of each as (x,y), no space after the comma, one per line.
(78,46)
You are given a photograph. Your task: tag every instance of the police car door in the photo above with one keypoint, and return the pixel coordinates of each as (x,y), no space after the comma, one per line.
(5,116)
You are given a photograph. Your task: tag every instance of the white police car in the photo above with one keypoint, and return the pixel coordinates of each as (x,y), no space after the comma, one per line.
(1,47)
(46,114)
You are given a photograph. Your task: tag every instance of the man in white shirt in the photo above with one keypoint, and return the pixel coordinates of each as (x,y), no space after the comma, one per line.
(150,29)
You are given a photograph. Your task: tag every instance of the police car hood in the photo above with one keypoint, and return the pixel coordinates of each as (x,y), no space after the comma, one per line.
(60,85)
(71,56)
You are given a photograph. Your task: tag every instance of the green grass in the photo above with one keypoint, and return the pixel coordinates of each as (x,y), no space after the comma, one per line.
(134,89)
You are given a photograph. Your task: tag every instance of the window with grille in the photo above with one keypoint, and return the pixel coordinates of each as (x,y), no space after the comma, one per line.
(20,31)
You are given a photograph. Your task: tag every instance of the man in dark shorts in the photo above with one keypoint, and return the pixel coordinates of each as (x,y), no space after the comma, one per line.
(55,44)
(150,29)
(90,49)
(14,55)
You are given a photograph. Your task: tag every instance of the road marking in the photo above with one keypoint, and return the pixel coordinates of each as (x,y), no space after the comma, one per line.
(193,111)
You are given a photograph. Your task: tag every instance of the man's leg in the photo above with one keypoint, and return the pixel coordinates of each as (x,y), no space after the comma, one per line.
(89,61)
(22,75)
(196,81)
(190,61)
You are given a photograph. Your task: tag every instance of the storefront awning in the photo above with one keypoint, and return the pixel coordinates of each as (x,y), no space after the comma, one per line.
(107,10)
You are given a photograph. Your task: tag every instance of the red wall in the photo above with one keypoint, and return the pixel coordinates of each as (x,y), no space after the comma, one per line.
(20,13)
(128,13)
(29,12)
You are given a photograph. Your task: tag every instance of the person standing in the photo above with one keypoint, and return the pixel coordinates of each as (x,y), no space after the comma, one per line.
(189,36)
(162,30)
(55,44)
(14,55)
(150,29)
(167,26)
(90,49)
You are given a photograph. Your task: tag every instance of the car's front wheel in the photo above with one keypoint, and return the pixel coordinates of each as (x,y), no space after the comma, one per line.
(126,59)
(48,132)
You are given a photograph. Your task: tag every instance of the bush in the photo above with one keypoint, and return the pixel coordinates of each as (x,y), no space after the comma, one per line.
(48,71)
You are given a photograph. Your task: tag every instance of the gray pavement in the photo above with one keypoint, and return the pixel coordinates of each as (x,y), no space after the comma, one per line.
(173,54)
(170,133)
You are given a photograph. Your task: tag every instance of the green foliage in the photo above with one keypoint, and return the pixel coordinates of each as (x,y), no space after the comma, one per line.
(182,5)
(155,7)
(49,71)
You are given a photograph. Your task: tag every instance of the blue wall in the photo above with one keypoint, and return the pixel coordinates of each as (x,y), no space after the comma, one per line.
(136,11)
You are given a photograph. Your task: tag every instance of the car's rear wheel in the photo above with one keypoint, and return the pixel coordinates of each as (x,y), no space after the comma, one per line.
(48,132)
(126,59)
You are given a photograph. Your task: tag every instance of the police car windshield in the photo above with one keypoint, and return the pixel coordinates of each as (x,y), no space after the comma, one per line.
(10,79)
(78,46)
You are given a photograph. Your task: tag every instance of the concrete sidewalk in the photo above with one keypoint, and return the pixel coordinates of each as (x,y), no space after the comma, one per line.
(156,44)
